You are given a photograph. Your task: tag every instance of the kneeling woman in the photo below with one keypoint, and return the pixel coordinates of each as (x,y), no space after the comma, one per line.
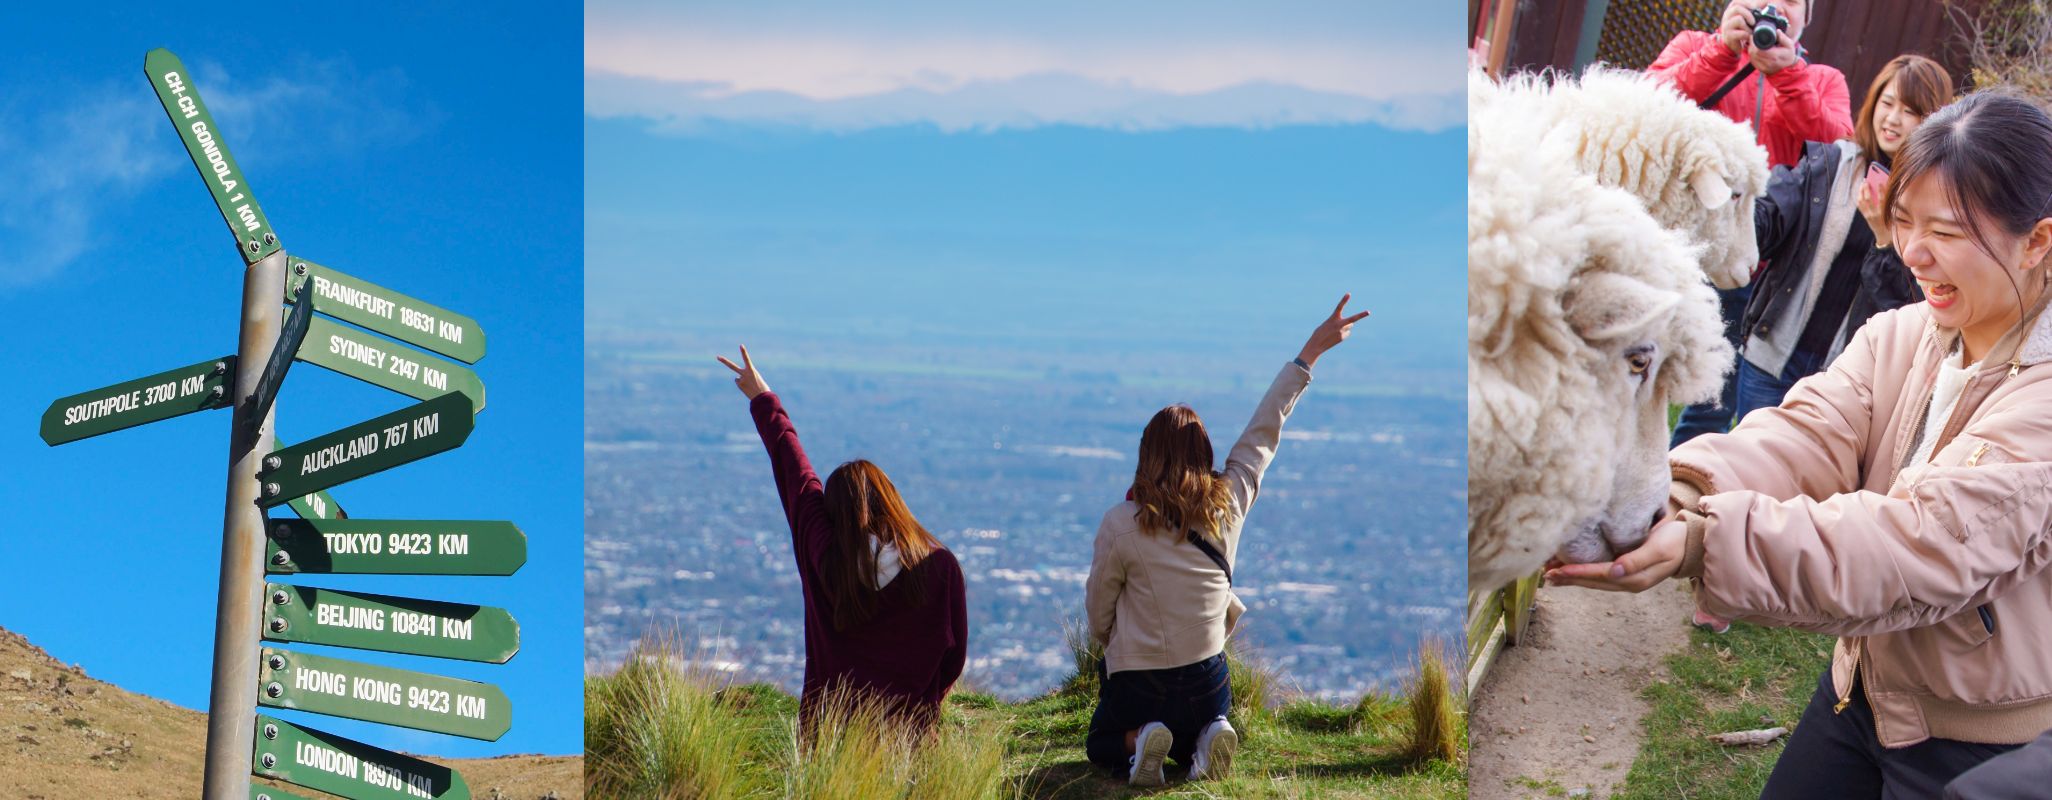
(1159,595)
(1899,498)
(884,612)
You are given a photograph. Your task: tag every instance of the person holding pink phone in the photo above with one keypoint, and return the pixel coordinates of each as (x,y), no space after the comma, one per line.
(1830,263)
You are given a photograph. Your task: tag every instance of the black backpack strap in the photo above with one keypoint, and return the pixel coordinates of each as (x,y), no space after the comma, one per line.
(1711,101)
(1211,552)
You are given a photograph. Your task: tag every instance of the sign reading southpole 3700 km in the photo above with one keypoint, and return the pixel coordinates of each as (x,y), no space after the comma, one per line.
(143,400)
(395,547)
(390,624)
(381,694)
(381,443)
(330,763)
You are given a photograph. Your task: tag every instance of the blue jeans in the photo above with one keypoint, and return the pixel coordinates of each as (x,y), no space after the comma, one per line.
(1757,389)
(1185,698)
(1703,418)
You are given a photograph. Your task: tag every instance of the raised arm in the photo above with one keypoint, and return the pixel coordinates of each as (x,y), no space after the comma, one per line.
(1257,444)
(798,486)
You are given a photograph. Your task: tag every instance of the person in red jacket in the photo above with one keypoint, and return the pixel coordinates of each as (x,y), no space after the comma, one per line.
(885,613)
(1787,101)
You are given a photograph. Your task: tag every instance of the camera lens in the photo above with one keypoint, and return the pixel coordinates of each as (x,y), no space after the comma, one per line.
(1765,35)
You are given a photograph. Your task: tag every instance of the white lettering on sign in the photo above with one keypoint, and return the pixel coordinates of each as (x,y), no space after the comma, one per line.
(456,629)
(428,425)
(452,332)
(336,615)
(417,320)
(454,544)
(211,149)
(319,505)
(398,780)
(434,700)
(103,407)
(354,543)
(472,707)
(326,760)
(353,297)
(413,623)
(412,544)
(356,351)
(186,105)
(375,690)
(314,680)
(336,454)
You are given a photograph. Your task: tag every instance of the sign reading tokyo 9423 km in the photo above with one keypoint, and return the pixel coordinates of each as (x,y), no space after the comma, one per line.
(346,767)
(395,547)
(375,445)
(125,405)
(389,624)
(373,693)
(225,181)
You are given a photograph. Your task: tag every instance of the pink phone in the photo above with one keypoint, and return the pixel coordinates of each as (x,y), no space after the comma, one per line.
(1877,180)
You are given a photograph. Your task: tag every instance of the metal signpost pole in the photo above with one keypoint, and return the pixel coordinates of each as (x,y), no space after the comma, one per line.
(230,736)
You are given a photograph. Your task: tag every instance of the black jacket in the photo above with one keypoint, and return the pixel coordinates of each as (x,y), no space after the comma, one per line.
(1787,222)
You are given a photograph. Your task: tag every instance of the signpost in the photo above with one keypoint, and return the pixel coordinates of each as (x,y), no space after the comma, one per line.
(389,624)
(395,547)
(262,475)
(369,447)
(372,693)
(368,358)
(360,302)
(329,763)
(167,394)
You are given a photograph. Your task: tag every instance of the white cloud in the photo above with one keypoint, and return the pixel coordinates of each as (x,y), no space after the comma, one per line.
(685,72)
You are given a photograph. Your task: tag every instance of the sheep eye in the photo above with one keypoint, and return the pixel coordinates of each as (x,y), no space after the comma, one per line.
(1640,363)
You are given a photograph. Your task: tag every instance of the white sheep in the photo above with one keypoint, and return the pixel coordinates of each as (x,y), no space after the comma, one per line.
(1586,318)
(1696,171)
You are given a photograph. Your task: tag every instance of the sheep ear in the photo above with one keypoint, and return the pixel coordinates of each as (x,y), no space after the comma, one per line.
(1606,306)
(1710,187)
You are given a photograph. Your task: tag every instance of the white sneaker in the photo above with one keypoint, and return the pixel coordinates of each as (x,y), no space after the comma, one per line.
(1150,751)
(1215,746)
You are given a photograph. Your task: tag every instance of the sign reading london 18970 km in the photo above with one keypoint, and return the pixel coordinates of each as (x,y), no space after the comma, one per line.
(264,475)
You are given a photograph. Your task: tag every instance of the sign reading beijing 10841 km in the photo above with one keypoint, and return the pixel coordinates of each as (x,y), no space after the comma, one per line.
(375,445)
(389,624)
(372,693)
(161,396)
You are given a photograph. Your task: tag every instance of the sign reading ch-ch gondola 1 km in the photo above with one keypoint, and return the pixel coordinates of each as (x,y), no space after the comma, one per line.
(368,358)
(375,445)
(395,547)
(224,179)
(161,396)
(330,763)
(389,624)
(373,693)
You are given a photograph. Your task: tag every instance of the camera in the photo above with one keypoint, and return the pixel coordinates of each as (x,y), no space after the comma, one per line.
(1768,24)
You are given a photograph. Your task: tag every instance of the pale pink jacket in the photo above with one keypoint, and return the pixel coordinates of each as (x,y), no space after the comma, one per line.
(1806,516)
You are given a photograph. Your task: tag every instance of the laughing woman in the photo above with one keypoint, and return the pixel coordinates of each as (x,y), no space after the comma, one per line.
(884,611)
(1901,499)
(1159,595)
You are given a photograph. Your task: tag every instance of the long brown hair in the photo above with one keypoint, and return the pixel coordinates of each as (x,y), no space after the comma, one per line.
(1921,85)
(863,505)
(1175,486)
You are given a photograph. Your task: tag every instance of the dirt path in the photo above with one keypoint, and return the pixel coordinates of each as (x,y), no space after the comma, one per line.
(1561,710)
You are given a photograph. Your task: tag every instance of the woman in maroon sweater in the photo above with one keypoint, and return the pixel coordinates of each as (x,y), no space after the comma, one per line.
(884,610)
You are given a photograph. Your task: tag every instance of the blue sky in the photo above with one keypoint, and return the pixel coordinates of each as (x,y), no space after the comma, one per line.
(433,151)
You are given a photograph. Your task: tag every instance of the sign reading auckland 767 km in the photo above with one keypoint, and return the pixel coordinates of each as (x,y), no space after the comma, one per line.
(372,340)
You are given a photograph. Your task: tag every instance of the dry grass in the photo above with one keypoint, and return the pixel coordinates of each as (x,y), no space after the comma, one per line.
(1435,729)
(2009,45)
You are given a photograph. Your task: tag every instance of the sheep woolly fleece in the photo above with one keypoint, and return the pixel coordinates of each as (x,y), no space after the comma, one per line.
(1549,416)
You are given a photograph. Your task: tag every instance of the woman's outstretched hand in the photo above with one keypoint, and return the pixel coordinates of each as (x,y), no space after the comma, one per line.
(1331,332)
(749,380)
(1654,561)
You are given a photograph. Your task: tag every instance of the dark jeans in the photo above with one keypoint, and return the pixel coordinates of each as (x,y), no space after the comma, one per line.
(1838,755)
(1184,698)
(1757,390)
(1703,418)
(2016,775)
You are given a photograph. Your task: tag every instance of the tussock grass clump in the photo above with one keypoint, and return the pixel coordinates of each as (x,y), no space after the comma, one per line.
(856,750)
(655,729)
(1435,732)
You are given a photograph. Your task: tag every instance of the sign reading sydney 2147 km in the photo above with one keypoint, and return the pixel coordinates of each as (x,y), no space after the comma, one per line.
(371,339)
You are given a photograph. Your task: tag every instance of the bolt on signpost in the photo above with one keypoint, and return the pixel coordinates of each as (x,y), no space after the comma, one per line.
(264,474)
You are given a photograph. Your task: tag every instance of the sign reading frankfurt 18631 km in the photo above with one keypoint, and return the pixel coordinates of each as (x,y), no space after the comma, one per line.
(330,763)
(391,624)
(360,302)
(395,547)
(368,358)
(381,443)
(381,694)
(125,405)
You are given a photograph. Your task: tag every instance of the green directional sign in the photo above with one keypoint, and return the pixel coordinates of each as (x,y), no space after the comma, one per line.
(319,505)
(360,302)
(253,235)
(364,357)
(390,624)
(371,693)
(352,769)
(409,434)
(395,547)
(125,405)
